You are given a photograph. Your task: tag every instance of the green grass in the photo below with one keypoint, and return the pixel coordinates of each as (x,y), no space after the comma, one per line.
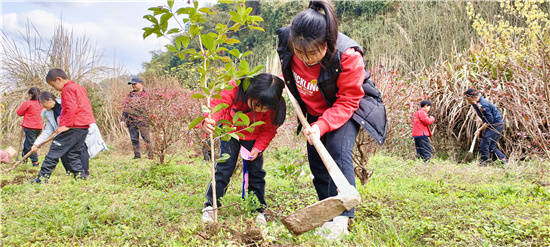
(405,203)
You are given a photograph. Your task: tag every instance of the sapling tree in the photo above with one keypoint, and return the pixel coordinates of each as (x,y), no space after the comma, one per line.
(220,63)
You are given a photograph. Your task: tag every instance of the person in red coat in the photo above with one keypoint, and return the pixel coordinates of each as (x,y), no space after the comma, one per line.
(421,130)
(30,110)
(74,121)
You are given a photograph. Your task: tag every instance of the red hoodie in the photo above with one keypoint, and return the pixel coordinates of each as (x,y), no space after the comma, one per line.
(31,111)
(76,109)
(263,134)
(421,123)
(349,93)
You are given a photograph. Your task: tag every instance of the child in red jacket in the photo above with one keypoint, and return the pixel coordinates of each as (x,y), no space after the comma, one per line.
(261,101)
(30,110)
(74,121)
(421,130)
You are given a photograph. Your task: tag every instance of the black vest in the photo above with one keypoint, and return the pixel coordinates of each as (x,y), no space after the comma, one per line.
(371,114)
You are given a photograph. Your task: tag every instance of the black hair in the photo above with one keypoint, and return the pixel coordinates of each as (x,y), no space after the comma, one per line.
(54,73)
(471,92)
(311,28)
(45,96)
(34,92)
(425,103)
(268,90)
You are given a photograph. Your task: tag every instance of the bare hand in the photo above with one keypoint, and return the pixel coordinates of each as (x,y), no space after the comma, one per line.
(34,149)
(254,154)
(208,125)
(312,133)
(61,129)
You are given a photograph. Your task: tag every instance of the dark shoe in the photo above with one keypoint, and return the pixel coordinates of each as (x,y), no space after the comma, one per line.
(40,179)
(137,157)
(35,164)
(82,175)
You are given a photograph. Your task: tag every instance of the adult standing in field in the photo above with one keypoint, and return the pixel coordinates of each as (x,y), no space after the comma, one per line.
(32,121)
(492,127)
(325,71)
(421,130)
(133,117)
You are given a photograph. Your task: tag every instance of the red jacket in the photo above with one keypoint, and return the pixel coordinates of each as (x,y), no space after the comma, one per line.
(31,111)
(350,90)
(421,123)
(263,134)
(76,109)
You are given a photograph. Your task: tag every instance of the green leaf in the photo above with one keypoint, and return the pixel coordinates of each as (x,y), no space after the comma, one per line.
(225,138)
(209,41)
(241,135)
(225,1)
(246,83)
(223,158)
(219,107)
(151,19)
(232,41)
(205,90)
(173,30)
(220,27)
(172,48)
(147,31)
(246,53)
(234,136)
(195,122)
(256,69)
(256,18)
(244,65)
(244,119)
(186,10)
(183,40)
(256,123)
(198,96)
(170,3)
(256,28)
(206,10)
(235,53)
(223,121)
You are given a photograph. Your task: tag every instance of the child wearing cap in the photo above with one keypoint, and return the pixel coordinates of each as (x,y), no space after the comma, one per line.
(134,119)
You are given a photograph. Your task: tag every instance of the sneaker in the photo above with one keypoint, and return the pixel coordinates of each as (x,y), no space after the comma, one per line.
(35,164)
(260,219)
(335,229)
(40,179)
(208,215)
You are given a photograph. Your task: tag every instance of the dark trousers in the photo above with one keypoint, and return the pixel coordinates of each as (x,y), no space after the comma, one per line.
(423,147)
(84,159)
(135,129)
(339,144)
(224,170)
(30,137)
(70,144)
(488,145)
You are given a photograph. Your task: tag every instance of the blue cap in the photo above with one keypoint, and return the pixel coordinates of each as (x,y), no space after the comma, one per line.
(135,80)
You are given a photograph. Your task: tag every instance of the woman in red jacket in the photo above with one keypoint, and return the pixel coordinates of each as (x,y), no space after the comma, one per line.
(31,111)
(421,130)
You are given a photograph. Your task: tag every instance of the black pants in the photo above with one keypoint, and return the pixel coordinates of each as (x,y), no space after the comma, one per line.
(423,147)
(84,159)
(256,173)
(69,144)
(488,145)
(135,129)
(339,144)
(30,137)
